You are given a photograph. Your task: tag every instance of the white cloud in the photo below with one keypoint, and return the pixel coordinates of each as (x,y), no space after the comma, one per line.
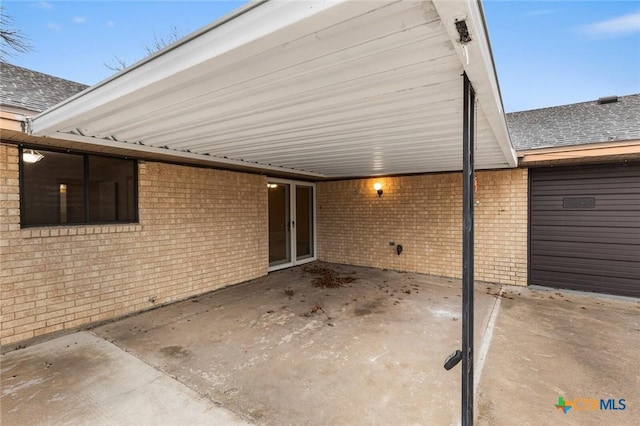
(616,27)
(111,24)
(541,12)
(43,5)
(79,19)
(53,26)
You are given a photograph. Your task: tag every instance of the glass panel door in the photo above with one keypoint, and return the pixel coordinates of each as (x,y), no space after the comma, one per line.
(291,223)
(279,224)
(304,222)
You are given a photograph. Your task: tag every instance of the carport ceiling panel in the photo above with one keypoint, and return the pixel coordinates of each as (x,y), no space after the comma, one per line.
(342,60)
(316,99)
(358,91)
(361,88)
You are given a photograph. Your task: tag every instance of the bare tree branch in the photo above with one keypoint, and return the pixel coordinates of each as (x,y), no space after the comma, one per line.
(12,40)
(158,43)
(116,64)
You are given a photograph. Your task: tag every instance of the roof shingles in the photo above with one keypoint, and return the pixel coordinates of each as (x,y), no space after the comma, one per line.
(576,124)
(33,91)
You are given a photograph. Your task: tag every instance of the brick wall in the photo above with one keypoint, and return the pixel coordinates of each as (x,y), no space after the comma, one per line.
(200,229)
(424,214)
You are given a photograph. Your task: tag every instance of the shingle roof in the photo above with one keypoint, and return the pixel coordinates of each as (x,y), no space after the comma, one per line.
(576,124)
(31,90)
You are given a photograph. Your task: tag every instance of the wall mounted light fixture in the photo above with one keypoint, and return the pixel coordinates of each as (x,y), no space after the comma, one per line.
(378,187)
(31,156)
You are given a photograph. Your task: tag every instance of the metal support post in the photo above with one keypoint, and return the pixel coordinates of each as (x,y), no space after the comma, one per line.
(468,174)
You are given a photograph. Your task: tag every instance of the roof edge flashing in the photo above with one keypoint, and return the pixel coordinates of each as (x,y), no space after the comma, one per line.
(213,159)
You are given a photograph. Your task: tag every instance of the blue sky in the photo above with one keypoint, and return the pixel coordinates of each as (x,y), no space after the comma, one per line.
(559,52)
(546,52)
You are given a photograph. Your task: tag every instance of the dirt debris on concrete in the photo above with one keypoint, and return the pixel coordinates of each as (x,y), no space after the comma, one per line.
(327,278)
(81,378)
(364,366)
(495,292)
(316,310)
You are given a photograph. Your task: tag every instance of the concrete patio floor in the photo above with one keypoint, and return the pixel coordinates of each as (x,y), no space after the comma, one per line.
(278,350)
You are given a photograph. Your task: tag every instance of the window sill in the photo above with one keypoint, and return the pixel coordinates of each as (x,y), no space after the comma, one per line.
(66,230)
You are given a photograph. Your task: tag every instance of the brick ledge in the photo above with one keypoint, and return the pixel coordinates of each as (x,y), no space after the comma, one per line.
(63,231)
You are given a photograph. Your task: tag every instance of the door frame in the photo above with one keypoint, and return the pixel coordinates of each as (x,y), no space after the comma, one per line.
(293,214)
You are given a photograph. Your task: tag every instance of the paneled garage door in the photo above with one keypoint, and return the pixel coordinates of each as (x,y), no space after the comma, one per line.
(585,228)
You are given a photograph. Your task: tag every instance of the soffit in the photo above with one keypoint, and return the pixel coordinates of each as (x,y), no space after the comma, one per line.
(328,90)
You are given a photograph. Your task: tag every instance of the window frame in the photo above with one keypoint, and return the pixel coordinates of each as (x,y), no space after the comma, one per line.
(86,187)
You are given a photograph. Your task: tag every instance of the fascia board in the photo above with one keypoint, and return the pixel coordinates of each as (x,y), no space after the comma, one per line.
(477,61)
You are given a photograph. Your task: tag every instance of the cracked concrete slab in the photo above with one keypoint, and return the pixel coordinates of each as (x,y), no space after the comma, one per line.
(549,344)
(82,379)
(280,351)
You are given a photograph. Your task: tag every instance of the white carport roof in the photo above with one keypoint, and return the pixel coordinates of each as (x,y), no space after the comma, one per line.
(324,89)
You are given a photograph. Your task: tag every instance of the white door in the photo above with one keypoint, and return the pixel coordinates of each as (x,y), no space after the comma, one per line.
(291,223)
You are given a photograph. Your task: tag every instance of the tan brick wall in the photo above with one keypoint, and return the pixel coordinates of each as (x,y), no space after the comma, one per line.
(424,214)
(200,229)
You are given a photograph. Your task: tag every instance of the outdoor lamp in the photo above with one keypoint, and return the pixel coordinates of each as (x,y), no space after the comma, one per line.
(31,156)
(378,187)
